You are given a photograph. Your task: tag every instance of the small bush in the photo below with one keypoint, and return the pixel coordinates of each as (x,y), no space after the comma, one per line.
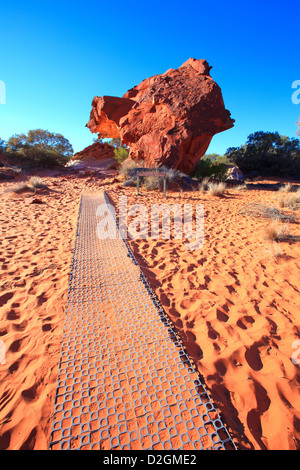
(216,189)
(275,251)
(172,176)
(281,202)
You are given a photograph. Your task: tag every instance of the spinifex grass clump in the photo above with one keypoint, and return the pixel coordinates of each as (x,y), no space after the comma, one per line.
(276,232)
(216,189)
(32,185)
(36,182)
(287,188)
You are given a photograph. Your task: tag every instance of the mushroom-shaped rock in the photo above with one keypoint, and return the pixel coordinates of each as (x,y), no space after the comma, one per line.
(167,119)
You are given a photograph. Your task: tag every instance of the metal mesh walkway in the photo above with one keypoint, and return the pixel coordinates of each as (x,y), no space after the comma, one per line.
(125,381)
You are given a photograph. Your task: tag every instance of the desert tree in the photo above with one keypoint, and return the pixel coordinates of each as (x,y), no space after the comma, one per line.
(40,148)
(267,153)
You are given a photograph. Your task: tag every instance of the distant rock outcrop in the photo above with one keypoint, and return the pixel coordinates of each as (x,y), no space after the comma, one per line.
(167,119)
(94,152)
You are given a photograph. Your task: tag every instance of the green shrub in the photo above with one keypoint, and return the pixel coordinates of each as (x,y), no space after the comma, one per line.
(216,158)
(120,154)
(207,168)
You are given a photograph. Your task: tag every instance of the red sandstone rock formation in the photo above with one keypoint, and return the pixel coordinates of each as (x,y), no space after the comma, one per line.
(94,152)
(106,114)
(167,119)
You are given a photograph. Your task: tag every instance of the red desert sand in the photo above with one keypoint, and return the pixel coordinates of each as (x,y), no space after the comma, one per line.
(234,302)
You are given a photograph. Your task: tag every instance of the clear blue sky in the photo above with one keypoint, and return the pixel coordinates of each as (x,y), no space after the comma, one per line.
(56,56)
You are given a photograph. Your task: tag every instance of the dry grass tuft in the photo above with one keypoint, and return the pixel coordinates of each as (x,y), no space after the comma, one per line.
(276,232)
(31,185)
(216,189)
(36,182)
(287,188)
(203,184)
(281,202)
(292,201)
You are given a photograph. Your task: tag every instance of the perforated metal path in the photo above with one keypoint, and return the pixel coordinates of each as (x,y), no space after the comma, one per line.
(125,381)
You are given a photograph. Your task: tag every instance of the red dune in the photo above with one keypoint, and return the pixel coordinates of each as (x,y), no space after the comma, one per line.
(234,302)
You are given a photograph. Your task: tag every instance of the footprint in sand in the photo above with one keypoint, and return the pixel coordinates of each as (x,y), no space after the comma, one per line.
(245,322)
(47,327)
(5,298)
(222,316)
(15,346)
(14,367)
(30,394)
(41,299)
(212,333)
(33,288)
(12,315)
(254,416)
(231,289)
(20,326)
(252,356)
(220,367)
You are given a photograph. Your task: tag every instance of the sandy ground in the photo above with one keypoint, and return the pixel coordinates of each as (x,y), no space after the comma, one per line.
(235,303)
